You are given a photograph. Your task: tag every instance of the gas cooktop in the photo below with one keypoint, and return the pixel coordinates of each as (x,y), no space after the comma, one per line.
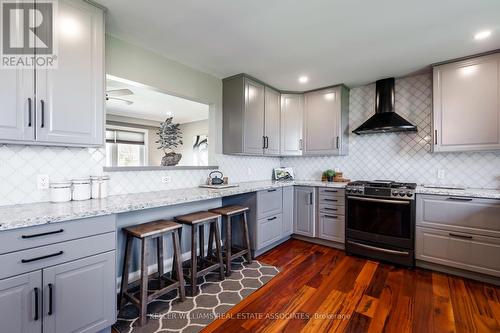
(382,188)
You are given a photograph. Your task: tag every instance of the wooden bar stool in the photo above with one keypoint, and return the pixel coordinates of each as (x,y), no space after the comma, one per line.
(204,264)
(231,251)
(146,232)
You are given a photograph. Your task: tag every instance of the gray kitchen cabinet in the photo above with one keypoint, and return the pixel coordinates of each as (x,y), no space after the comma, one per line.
(305,212)
(70,100)
(20,303)
(17,95)
(68,107)
(243,116)
(331,210)
(292,124)
(326,121)
(466,105)
(270,230)
(272,117)
(288,210)
(83,295)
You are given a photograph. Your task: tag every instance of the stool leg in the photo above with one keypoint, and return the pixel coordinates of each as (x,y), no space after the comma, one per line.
(218,248)
(247,237)
(159,255)
(210,253)
(229,244)
(126,266)
(202,241)
(174,264)
(144,283)
(178,269)
(194,263)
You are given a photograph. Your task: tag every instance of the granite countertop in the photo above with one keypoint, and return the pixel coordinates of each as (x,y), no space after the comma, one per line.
(26,215)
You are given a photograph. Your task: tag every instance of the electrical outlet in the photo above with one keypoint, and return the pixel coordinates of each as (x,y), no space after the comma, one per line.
(166,179)
(440,173)
(249,171)
(42,182)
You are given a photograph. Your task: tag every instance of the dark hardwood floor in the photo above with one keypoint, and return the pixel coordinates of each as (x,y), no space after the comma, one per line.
(357,295)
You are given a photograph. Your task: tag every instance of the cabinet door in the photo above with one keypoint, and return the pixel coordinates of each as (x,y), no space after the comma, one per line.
(269,230)
(466,105)
(70,98)
(254,118)
(272,122)
(83,295)
(288,207)
(321,122)
(292,120)
(19,312)
(304,221)
(331,227)
(17,118)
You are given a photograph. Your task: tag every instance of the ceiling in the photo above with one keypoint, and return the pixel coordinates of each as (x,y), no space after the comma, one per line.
(331,41)
(151,104)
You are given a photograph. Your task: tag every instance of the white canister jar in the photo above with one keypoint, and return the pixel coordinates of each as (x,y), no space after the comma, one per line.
(60,191)
(99,186)
(81,189)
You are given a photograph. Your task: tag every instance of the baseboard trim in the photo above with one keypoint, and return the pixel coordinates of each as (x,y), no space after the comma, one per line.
(319,241)
(458,272)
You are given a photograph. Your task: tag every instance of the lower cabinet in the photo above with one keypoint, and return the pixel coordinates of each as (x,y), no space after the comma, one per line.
(269,231)
(21,303)
(288,210)
(78,296)
(331,227)
(304,213)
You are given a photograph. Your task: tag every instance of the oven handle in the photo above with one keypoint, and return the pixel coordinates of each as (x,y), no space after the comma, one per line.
(379,249)
(396,202)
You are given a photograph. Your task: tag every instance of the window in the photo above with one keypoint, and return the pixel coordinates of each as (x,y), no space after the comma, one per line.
(126,146)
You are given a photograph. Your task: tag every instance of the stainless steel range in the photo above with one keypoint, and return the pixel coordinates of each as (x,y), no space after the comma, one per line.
(380,220)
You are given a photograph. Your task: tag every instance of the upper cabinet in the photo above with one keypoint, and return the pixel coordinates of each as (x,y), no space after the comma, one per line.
(466,114)
(259,120)
(292,124)
(251,121)
(63,105)
(326,128)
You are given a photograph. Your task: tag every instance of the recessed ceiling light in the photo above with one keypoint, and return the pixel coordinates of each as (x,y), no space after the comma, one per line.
(303,79)
(482,34)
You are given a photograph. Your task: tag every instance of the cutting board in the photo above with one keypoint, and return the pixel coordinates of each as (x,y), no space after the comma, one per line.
(218,187)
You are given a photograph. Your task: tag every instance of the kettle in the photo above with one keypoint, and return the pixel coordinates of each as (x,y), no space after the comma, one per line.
(214,179)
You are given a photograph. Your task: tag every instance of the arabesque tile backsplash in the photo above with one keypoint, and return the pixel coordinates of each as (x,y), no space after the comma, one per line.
(404,157)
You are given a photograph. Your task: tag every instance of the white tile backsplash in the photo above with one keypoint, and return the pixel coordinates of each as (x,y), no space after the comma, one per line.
(401,156)
(404,157)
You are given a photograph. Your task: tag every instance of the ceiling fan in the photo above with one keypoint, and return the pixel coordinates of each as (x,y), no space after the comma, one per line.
(113,95)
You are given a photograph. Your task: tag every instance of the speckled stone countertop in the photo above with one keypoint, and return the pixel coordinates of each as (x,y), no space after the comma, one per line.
(26,215)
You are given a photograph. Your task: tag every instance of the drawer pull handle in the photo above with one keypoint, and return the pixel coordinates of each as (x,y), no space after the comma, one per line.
(43,234)
(272,218)
(330,191)
(459,199)
(460,236)
(24,261)
(37,316)
(331,216)
(272,190)
(50,300)
(332,200)
(326,208)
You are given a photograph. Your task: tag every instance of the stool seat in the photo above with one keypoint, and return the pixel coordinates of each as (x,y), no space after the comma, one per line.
(152,228)
(198,217)
(229,210)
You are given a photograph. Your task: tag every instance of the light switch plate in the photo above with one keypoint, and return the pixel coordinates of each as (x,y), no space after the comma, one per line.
(440,173)
(42,182)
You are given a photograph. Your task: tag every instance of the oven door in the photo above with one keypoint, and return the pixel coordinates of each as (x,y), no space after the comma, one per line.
(381,220)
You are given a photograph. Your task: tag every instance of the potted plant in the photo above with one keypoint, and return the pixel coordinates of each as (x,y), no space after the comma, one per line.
(170,137)
(329,174)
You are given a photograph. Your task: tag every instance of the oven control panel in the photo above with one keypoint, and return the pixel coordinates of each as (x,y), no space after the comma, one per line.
(359,190)
(396,193)
(402,193)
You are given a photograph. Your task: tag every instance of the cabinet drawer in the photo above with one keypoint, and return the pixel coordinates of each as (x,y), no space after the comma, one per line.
(331,200)
(335,192)
(331,227)
(331,209)
(269,202)
(460,250)
(26,238)
(269,230)
(32,259)
(471,215)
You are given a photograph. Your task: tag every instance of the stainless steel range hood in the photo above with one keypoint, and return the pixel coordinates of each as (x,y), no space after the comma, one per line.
(385,119)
